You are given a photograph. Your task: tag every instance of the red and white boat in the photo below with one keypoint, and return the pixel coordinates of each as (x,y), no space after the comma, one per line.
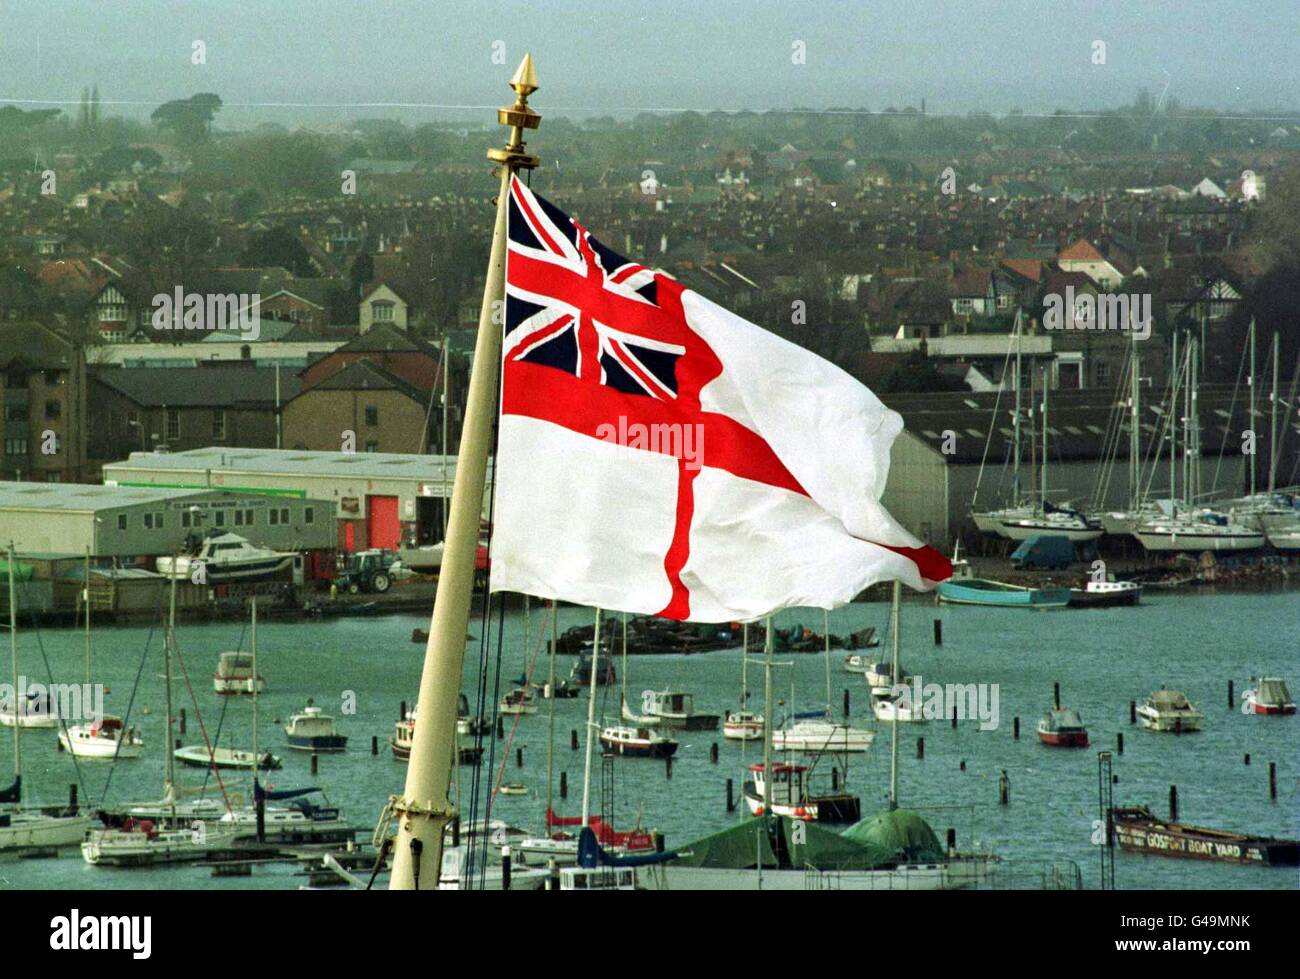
(1270,697)
(1061,727)
(793,796)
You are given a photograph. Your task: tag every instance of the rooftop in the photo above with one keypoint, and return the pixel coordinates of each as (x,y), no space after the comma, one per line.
(370,465)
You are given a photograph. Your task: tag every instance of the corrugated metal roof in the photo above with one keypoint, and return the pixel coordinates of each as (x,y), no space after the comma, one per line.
(376,465)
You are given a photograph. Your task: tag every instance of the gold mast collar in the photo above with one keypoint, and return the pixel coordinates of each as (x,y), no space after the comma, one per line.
(518,117)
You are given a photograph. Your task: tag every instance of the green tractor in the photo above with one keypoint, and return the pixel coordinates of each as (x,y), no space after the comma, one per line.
(368,571)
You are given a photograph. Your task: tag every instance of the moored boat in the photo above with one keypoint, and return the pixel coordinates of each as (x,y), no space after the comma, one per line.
(809,734)
(1105,594)
(670,709)
(200,756)
(793,795)
(105,737)
(235,674)
(35,710)
(637,742)
(963,588)
(1140,830)
(1061,727)
(312,730)
(518,701)
(138,844)
(1269,696)
(1169,710)
(743,725)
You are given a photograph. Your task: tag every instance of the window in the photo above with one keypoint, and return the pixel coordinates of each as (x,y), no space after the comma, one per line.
(963,306)
(1103,372)
(372,414)
(382,312)
(309,514)
(53,409)
(219,518)
(219,423)
(185,518)
(15,447)
(280,516)
(121,521)
(148,521)
(15,413)
(173,424)
(243,518)
(372,446)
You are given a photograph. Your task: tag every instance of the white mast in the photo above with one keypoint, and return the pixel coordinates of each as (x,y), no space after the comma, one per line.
(13,654)
(1250,412)
(1134,435)
(424,809)
(253,643)
(895,608)
(1015,477)
(169,777)
(1173,427)
(1043,471)
(767,720)
(1272,422)
(550,741)
(591,724)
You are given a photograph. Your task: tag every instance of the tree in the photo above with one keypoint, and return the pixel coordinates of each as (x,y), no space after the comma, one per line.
(280,248)
(189,120)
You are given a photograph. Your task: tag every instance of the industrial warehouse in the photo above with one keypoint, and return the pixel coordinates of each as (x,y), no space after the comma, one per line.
(381,499)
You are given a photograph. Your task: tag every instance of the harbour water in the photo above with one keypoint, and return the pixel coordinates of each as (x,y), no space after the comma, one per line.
(1102,658)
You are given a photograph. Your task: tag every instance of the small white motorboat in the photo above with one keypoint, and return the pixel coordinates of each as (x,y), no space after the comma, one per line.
(743,725)
(235,675)
(1169,710)
(200,756)
(102,738)
(670,709)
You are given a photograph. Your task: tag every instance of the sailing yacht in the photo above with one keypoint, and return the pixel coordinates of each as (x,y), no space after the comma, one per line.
(30,829)
(1204,530)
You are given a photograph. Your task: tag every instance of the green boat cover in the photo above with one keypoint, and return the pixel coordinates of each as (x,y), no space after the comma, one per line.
(901,833)
(22,572)
(881,841)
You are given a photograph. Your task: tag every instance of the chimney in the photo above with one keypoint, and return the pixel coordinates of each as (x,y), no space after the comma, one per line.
(663,243)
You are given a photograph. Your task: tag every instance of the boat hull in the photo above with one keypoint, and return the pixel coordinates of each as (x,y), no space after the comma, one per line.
(23,832)
(1085,599)
(1165,725)
(836,808)
(1140,832)
(318,742)
(1064,739)
(956,593)
(1172,542)
(85,746)
(637,749)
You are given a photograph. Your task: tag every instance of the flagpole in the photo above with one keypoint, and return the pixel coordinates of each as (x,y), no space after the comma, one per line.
(423,810)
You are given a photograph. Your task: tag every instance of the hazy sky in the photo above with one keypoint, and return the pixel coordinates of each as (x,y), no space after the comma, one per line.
(1035,55)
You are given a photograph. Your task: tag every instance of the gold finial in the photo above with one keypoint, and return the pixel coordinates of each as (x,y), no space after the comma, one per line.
(518,117)
(525,78)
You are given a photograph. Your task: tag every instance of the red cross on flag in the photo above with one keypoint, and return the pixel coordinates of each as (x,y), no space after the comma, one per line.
(659,454)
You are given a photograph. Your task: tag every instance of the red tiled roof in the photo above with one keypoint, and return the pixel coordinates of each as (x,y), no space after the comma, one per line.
(1080,251)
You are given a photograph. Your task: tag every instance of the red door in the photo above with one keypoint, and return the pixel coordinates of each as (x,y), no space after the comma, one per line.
(384,527)
(349,537)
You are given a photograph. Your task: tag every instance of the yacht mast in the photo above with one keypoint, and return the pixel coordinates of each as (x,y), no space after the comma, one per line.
(1015,424)
(767,720)
(591,723)
(86,599)
(13,655)
(1250,412)
(1134,436)
(253,644)
(1173,427)
(550,741)
(169,778)
(1272,422)
(1043,490)
(894,611)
